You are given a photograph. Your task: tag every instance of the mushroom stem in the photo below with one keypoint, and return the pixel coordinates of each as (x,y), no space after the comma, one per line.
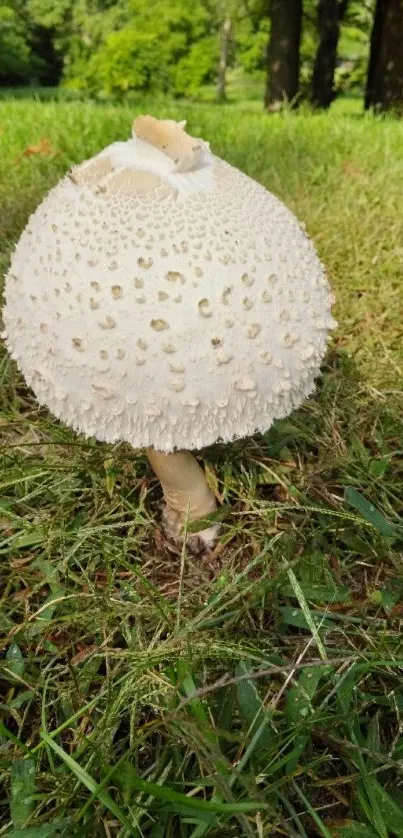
(186,493)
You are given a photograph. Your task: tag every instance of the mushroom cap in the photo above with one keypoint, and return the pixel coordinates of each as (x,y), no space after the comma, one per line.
(160,296)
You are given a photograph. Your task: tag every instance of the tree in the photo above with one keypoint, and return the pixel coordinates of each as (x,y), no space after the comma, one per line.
(225,37)
(330,16)
(283,53)
(227,13)
(384,89)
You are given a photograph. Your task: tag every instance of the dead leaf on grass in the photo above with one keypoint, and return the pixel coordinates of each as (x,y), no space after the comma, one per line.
(83,653)
(17,563)
(44,147)
(350,169)
(22,595)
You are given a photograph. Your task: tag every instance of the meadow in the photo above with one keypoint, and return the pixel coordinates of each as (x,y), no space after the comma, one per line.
(260,692)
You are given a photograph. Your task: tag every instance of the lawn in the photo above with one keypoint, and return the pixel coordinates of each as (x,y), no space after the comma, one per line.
(258,693)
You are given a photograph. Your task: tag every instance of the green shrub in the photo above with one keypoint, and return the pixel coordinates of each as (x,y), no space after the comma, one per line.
(129,60)
(151,47)
(198,67)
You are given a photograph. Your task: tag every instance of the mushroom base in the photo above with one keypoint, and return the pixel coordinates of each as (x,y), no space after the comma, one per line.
(187,497)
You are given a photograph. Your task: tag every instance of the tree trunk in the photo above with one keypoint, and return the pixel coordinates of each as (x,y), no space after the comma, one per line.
(330,16)
(224,49)
(283,54)
(385,71)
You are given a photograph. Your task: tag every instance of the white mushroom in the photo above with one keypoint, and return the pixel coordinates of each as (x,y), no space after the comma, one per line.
(238,347)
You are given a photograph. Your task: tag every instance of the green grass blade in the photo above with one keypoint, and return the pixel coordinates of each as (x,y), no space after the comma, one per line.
(355,830)
(294,815)
(299,698)
(194,803)
(370,801)
(323,830)
(7,734)
(15,660)
(391,812)
(369,512)
(306,612)
(22,788)
(153,789)
(46,830)
(252,709)
(82,775)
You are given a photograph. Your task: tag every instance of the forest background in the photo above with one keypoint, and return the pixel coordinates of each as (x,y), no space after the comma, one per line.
(282,51)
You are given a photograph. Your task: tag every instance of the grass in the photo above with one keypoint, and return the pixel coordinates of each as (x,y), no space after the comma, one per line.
(260,695)
(243,91)
(39,94)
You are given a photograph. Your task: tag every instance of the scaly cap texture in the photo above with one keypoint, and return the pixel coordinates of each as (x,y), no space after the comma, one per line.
(160,296)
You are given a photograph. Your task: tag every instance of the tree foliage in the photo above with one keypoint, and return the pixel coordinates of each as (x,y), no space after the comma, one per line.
(16,60)
(159,47)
